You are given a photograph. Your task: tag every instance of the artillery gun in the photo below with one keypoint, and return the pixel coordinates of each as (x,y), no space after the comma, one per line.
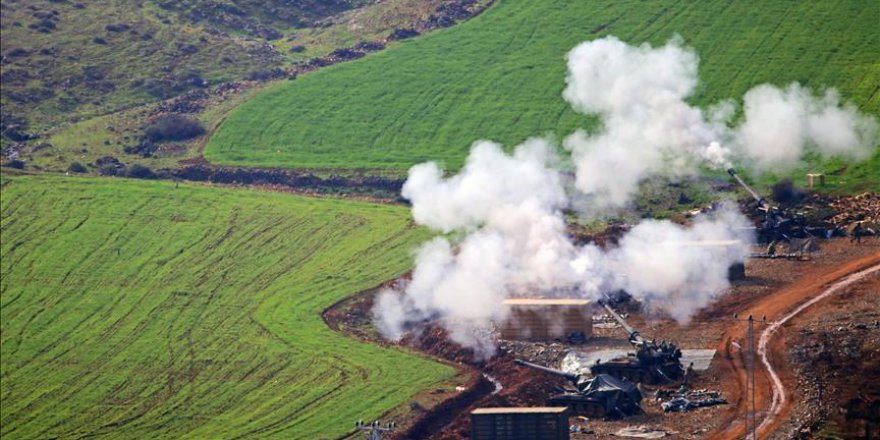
(651,363)
(774,225)
(601,396)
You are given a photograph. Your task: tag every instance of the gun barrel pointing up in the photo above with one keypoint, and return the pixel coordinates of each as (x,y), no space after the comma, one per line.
(761,202)
(633,333)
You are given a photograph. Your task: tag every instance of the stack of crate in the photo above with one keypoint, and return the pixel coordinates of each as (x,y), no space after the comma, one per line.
(541,423)
(544,319)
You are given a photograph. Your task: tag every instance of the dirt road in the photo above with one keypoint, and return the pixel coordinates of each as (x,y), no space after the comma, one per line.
(779,307)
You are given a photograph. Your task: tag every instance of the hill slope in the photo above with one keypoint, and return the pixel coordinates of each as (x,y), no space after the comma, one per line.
(138,310)
(500,76)
(63,60)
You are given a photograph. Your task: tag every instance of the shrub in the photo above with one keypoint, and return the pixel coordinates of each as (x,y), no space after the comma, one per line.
(173,127)
(77,167)
(144,148)
(118,27)
(265,75)
(138,171)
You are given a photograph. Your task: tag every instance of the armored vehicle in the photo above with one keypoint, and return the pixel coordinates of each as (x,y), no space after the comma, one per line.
(602,396)
(652,363)
(773,224)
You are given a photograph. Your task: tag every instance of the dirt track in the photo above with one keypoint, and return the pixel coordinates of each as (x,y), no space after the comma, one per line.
(776,307)
(774,288)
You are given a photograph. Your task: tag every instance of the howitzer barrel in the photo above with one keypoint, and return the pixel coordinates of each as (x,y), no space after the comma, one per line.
(570,376)
(633,333)
(761,202)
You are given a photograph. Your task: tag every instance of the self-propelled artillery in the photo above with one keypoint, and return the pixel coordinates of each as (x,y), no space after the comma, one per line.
(601,396)
(651,363)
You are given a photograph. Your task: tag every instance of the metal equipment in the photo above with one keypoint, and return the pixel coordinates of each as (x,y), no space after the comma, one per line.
(375,430)
(652,363)
(774,225)
(601,396)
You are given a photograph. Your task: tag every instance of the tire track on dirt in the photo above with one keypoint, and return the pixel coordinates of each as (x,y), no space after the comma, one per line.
(778,304)
(779,398)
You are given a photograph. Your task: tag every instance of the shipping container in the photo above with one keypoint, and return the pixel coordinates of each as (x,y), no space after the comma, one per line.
(540,423)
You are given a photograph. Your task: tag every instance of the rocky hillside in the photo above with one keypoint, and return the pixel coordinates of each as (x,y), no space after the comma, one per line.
(65,61)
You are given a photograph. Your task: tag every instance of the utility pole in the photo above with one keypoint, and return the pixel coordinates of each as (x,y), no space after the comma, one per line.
(375,430)
(751,383)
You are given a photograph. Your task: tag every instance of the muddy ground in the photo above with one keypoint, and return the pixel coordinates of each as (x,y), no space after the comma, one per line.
(840,370)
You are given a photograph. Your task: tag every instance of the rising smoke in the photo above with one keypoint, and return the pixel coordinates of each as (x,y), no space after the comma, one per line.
(502,214)
(506,237)
(781,124)
(648,128)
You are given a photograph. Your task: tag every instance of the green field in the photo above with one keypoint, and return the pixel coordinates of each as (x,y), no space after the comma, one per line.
(500,76)
(139,310)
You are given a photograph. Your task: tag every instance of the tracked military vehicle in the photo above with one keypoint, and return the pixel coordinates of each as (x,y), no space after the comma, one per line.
(651,363)
(602,396)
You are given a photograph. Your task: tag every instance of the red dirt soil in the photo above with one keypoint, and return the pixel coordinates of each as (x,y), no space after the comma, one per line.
(773,289)
(773,307)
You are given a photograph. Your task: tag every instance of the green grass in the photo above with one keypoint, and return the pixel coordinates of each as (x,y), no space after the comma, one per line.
(108,135)
(500,76)
(57,87)
(136,309)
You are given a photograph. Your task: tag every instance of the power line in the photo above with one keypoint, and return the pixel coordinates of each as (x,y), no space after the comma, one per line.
(751,383)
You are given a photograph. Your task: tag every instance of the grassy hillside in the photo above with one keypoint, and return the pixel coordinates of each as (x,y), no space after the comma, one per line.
(500,76)
(68,60)
(140,310)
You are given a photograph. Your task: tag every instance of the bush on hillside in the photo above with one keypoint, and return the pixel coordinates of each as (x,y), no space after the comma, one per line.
(77,167)
(173,127)
(138,171)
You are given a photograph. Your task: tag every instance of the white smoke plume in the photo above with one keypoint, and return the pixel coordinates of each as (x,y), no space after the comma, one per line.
(509,239)
(508,209)
(502,214)
(781,124)
(649,128)
(676,269)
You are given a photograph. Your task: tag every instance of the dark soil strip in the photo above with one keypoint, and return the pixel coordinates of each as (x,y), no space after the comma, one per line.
(445,413)
(351,316)
(375,186)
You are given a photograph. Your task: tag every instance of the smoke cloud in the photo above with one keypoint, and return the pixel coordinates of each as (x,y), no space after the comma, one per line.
(680,270)
(781,124)
(508,233)
(649,129)
(506,237)
(502,215)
